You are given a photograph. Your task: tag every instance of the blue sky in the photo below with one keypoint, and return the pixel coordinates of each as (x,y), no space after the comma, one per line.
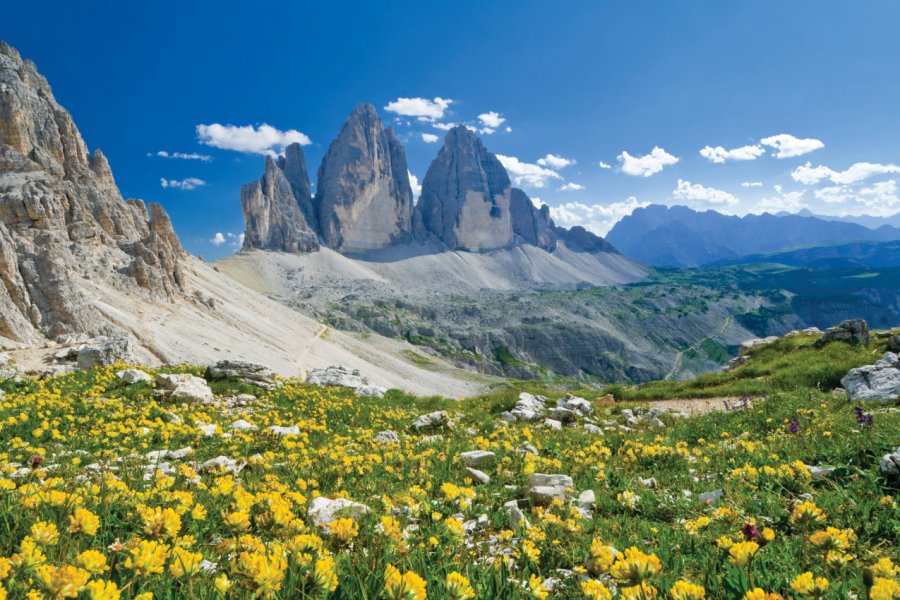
(768,86)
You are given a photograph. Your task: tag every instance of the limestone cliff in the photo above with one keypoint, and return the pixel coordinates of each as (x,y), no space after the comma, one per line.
(63,220)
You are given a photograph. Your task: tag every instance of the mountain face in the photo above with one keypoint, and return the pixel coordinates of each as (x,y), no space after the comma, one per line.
(680,237)
(466,195)
(63,220)
(531,223)
(278,211)
(363,197)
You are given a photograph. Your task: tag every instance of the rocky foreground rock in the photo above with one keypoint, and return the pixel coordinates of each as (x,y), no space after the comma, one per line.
(62,219)
(879,382)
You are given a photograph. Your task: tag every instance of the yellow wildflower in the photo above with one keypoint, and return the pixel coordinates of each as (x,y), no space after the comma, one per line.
(222,583)
(324,577)
(147,558)
(641,591)
(742,553)
(458,587)
(44,533)
(633,566)
(885,568)
(406,586)
(264,571)
(160,522)
(103,590)
(760,594)
(884,589)
(62,582)
(84,521)
(807,513)
(684,590)
(594,590)
(344,529)
(808,586)
(185,563)
(537,588)
(92,561)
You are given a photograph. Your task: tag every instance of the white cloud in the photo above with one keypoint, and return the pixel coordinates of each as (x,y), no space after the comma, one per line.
(421,108)
(571,187)
(555,162)
(694,192)
(604,165)
(786,145)
(218,239)
(264,139)
(483,130)
(809,175)
(429,138)
(491,119)
(527,173)
(415,185)
(444,126)
(190,183)
(879,199)
(751,184)
(647,165)
(598,218)
(720,154)
(184,155)
(508,129)
(791,202)
(239,241)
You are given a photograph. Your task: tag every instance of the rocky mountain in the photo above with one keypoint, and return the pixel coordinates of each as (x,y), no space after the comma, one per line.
(854,254)
(62,219)
(363,197)
(466,194)
(532,224)
(278,210)
(678,236)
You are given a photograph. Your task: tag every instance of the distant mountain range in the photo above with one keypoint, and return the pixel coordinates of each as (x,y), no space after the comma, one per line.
(677,236)
(838,256)
(866,220)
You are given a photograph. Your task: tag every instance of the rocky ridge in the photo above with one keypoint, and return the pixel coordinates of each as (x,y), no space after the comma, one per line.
(364,202)
(62,219)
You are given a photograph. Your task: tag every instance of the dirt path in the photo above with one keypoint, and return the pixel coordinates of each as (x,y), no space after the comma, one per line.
(678,357)
(301,356)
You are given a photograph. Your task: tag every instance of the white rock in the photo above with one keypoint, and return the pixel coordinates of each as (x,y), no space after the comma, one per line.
(133,375)
(243,425)
(183,387)
(477,476)
(279,430)
(323,511)
(879,382)
(431,420)
(553,424)
(387,437)
(478,459)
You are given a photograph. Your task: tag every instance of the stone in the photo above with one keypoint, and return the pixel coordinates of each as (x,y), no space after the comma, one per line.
(748,345)
(654,422)
(246,372)
(605,400)
(528,407)
(220,463)
(337,375)
(543,489)
(574,403)
(323,511)
(64,226)
(477,476)
(553,424)
(477,459)
(563,415)
(183,387)
(242,425)
(893,344)
(432,420)
(105,351)
(711,497)
(879,382)
(852,331)
(819,472)
(133,376)
(387,437)
(517,518)
(465,201)
(363,197)
(373,391)
(890,466)
(280,430)
(591,428)
(278,209)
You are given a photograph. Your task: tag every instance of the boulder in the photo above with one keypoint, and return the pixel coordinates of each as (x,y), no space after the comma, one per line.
(342,376)
(281,430)
(246,372)
(529,407)
(387,437)
(748,345)
(323,511)
(477,459)
(853,331)
(893,344)
(183,387)
(477,476)
(105,351)
(890,465)
(133,376)
(879,382)
(543,489)
(432,420)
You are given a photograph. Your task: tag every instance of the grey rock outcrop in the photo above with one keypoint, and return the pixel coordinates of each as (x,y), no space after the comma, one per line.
(105,351)
(63,220)
(466,196)
(341,376)
(879,382)
(890,465)
(278,211)
(183,387)
(531,223)
(363,198)
(853,331)
(244,371)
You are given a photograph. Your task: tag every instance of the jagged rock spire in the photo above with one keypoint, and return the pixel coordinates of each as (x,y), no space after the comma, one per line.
(363,197)
(466,195)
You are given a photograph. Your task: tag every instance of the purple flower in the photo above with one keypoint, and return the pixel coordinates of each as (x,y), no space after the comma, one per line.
(794,426)
(751,533)
(863,418)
